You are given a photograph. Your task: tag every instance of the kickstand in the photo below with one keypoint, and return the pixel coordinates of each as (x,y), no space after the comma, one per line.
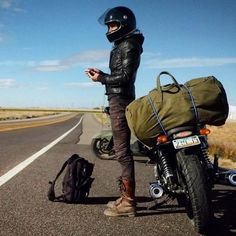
(154,204)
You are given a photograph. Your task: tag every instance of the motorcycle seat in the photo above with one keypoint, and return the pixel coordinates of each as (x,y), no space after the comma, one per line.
(180,129)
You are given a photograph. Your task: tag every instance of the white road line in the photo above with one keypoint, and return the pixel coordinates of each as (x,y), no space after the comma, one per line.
(11,173)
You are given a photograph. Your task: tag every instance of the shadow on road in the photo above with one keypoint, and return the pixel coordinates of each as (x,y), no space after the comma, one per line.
(224,209)
(144,206)
(105,200)
(223,205)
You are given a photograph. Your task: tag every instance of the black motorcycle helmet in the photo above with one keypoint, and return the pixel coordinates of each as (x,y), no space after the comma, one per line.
(125,19)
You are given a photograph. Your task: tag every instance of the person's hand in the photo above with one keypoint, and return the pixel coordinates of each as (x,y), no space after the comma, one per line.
(93,73)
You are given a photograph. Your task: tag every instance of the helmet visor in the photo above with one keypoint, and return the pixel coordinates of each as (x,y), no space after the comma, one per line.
(102,18)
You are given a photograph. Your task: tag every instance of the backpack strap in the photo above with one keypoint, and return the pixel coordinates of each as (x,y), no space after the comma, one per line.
(51,191)
(88,182)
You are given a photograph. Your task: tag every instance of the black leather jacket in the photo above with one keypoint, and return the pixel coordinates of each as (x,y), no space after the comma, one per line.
(124,63)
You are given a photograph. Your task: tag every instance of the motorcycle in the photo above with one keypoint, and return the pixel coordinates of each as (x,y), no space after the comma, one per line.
(103,146)
(182,170)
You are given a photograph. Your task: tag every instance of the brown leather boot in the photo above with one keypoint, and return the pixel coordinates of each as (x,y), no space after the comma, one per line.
(114,203)
(125,205)
(121,187)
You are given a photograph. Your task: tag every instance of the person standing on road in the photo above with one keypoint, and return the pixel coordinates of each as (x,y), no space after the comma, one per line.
(120,89)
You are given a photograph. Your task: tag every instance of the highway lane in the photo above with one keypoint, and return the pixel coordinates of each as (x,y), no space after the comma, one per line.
(25,209)
(16,145)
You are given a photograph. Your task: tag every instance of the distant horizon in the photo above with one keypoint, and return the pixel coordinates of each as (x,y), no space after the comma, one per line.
(20,107)
(231,116)
(96,107)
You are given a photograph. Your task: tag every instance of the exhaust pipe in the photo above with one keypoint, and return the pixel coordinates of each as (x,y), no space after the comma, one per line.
(232,178)
(226,178)
(155,190)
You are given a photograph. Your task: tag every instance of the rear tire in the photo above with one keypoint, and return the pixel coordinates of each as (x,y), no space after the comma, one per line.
(196,200)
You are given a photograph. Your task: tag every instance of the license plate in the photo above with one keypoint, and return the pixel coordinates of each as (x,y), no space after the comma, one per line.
(186,142)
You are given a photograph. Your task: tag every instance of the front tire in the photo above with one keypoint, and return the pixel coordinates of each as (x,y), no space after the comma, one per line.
(196,200)
(99,147)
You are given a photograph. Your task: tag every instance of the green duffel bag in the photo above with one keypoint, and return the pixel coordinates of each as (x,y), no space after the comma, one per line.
(210,99)
(165,107)
(174,105)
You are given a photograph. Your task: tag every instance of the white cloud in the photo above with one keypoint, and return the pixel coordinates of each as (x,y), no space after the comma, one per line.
(18,63)
(188,62)
(99,59)
(7,83)
(11,5)
(81,84)
(19,9)
(86,58)
(50,68)
(50,65)
(5,4)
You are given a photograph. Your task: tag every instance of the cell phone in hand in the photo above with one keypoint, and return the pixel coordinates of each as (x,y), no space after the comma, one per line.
(91,72)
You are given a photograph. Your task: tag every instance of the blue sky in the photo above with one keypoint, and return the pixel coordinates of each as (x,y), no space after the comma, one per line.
(46,45)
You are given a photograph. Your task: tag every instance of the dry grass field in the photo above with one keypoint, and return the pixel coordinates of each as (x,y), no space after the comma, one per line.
(222,141)
(102,118)
(15,115)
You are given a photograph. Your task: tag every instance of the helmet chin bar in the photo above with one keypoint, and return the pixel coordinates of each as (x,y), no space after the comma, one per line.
(114,35)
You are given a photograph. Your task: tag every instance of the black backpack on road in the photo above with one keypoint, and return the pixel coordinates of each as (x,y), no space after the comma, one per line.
(76,183)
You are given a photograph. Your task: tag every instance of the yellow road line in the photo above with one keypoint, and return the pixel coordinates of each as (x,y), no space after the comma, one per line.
(33,123)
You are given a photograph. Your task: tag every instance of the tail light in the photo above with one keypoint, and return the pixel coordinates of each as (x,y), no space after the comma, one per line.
(204,131)
(162,139)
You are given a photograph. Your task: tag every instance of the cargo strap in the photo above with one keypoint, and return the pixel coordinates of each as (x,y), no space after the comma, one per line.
(155,113)
(194,105)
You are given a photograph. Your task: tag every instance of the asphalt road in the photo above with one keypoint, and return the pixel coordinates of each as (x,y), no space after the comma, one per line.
(25,209)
